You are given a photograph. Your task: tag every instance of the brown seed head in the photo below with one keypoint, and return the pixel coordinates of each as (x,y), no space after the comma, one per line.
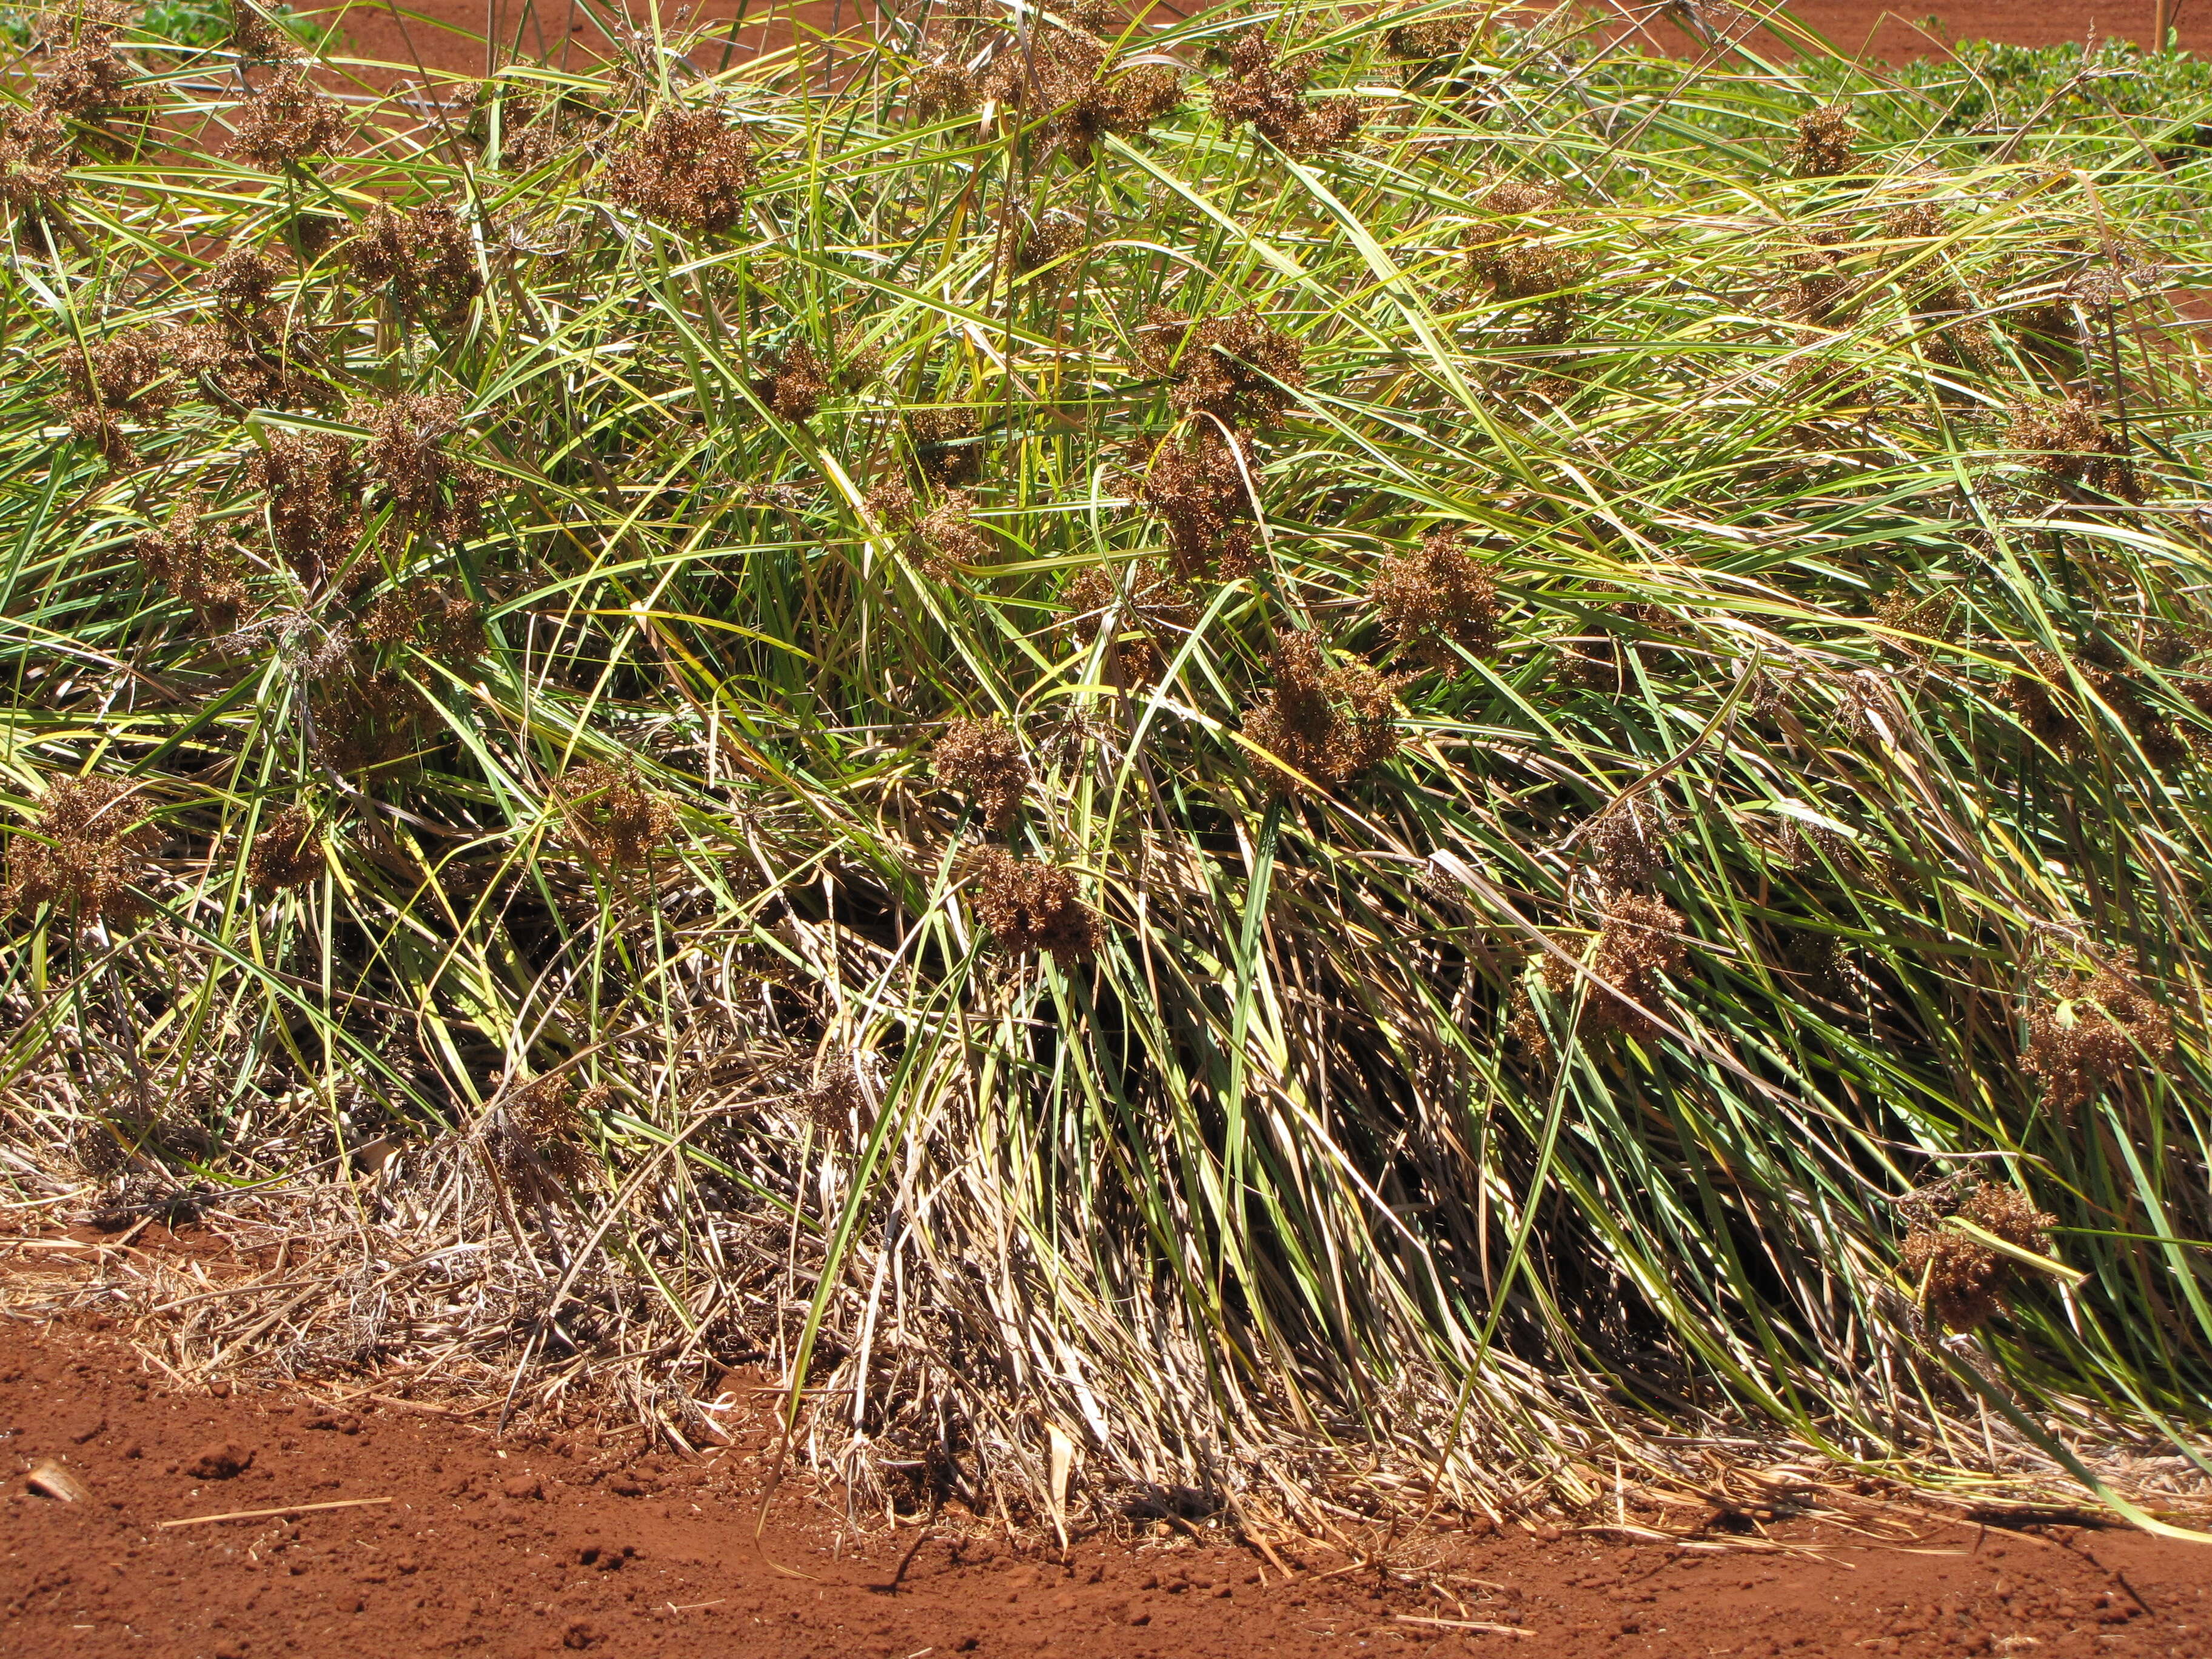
(200,565)
(289,120)
(1157,607)
(256,40)
(1031,908)
(940,89)
(690,168)
(947,538)
(314,491)
(1323,724)
(1627,843)
(796,382)
(287,852)
(538,1136)
(366,719)
(943,443)
(1230,368)
(429,490)
(1069,75)
(88,82)
(1429,39)
(244,279)
(96,840)
(121,375)
(983,760)
(1272,100)
(1438,596)
(36,152)
(1199,492)
(424,258)
(2071,444)
(439,615)
(1825,142)
(611,814)
(1637,941)
(2094,1029)
(1966,1282)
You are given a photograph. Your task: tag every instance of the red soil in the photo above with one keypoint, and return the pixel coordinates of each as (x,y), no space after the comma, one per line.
(398,36)
(548,1544)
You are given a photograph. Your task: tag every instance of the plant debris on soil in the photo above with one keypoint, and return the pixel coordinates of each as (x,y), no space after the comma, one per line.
(567,1538)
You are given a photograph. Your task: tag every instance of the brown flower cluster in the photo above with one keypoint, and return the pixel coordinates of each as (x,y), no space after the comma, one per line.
(123,375)
(36,152)
(983,760)
(1234,367)
(86,79)
(892,504)
(1827,143)
(314,489)
(795,384)
(1820,282)
(256,40)
(201,566)
(946,538)
(1199,491)
(2120,684)
(438,615)
(1068,75)
(2092,1031)
(538,1139)
(941,89)
(287,852)
(94,839)
(424,258)
(2072,444)
(1274,100)
(1144,622)
(1429,39)
(836,1103)
(288,120)
(1435,597)
(366,719)
(1627,843)
(429,490)
(690,168)
(1027,245)
(611,814)
(1031,908)
(1962,1281)
(1639,939)
(245,349)
(1517,259)
(944,443)
(1323,725)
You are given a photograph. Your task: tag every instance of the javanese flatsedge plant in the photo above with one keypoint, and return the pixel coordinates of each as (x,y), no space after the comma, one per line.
(1377,763)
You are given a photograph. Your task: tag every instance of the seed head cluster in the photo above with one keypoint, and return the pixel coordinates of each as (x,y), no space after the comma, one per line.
(287,852)
(1235,367)
(1435,597)
(423,258)
(438,615)
(1257,90)
(123,375)
(1638,940)
(795,384)
(1966,1282)
(289,120)
(947,537)
(244,348)
(1627,843)
(1323,725)
(92,840)
(36,152)
(2092,1031)
(368,720)
(429,488)
(944,443)
(1198,489)
(612,815)
(314,488)
(1032,908)
(1144,622)
(198,564)
(983,759)
(1069,77)
(690,168)
(2071,444)
(1431,39)
(941,89)
(538,1138)
(1827,143)
(2120,684)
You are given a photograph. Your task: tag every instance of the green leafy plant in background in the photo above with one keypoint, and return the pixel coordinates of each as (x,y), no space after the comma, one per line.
(1345,760)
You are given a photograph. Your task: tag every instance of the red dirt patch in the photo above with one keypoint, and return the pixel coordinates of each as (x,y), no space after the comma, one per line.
(569,1544)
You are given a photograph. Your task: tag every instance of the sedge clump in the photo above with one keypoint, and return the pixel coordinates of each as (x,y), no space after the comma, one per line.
(1638,944)
(1961,1281)
(314,487)
(123,375)
(198,564)
(429,490)
(289,120)
(983,759)
(423,258)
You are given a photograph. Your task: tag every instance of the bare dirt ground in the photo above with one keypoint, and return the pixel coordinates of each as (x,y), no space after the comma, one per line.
(436,1535)
(436,34)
